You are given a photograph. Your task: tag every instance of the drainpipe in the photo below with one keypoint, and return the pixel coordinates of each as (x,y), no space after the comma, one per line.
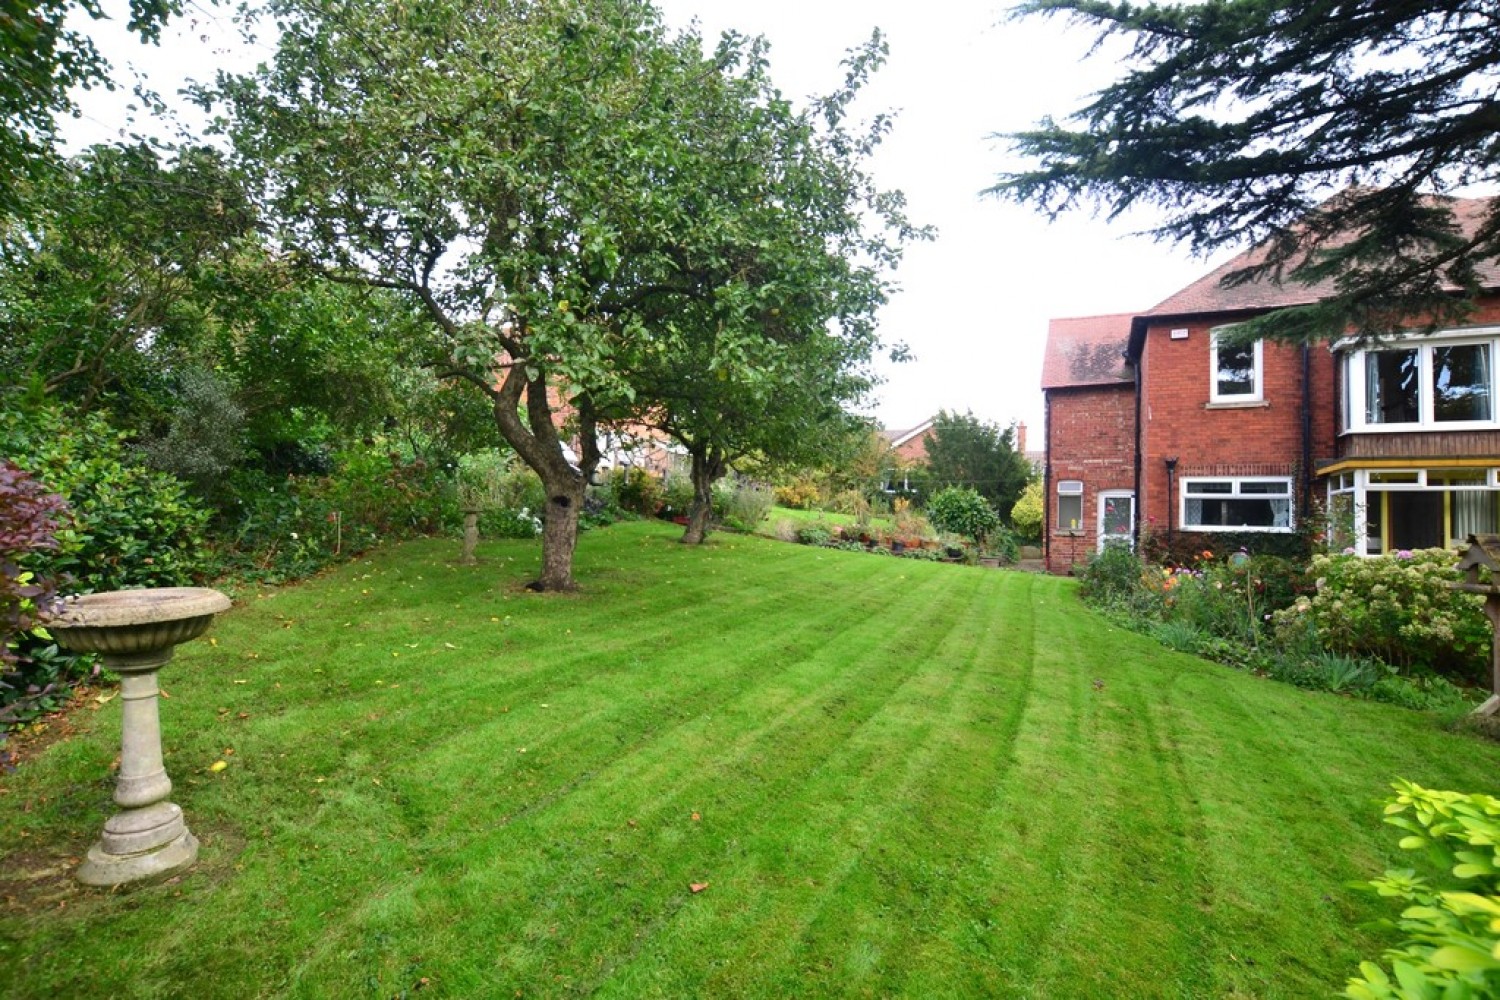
(1171,464)
(1047,482)
(1307,470)
(1140,502)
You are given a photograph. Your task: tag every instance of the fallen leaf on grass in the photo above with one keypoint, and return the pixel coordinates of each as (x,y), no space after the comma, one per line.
(218,766)
(696,817)
(698,886)
(105,698)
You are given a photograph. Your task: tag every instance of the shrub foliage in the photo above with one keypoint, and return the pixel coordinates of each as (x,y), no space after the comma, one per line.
(1451,931)
(962,511)
(125,525)
(1387,628)
(1398,609)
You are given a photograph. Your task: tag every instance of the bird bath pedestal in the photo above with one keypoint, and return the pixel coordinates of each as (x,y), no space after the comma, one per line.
(471,537)
(136,631)
(1480,563)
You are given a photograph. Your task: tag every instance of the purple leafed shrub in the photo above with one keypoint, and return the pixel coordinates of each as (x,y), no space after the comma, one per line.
(30,666)
(28,523)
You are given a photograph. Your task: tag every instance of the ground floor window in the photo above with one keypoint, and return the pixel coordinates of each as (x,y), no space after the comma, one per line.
(1392,510)
(1116,519)
(1229,504)
(1069,504)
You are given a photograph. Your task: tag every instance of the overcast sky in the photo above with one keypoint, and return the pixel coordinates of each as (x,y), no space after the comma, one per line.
(975,302)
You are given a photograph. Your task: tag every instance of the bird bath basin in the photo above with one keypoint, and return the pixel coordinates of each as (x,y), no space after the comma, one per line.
(136,631)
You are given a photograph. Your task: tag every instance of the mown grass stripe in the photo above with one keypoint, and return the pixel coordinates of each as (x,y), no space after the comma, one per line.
(907,781)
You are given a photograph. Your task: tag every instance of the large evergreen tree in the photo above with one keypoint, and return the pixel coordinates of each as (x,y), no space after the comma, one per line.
(1241,119)
(964,451)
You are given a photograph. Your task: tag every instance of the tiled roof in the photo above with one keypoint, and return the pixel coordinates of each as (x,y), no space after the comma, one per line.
(1207,295)
(1086,350)
(898,438)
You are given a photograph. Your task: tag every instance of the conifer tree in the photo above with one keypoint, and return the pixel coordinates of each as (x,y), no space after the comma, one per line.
(1328,131)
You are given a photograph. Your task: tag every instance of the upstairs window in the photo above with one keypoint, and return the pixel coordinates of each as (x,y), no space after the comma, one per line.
(1237,504)
(1461,383)
(1391,393)
(1428,386)
(1236,375)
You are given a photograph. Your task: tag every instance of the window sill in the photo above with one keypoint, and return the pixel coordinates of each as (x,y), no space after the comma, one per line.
(1249,404)
(1243,528)
(1456,427)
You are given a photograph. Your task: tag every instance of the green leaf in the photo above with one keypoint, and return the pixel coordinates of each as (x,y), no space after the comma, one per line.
(1463,960)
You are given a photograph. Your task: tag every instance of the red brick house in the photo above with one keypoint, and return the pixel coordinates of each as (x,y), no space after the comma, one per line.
(909,447)
(1089,437)
(1152,422)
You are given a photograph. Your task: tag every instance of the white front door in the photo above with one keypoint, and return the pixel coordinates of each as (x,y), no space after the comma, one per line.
(1116,518)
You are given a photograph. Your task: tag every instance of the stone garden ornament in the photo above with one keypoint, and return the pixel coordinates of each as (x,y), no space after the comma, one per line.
(136,631)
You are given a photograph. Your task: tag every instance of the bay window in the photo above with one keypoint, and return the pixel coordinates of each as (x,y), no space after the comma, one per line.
(1416,508)
(1444,384)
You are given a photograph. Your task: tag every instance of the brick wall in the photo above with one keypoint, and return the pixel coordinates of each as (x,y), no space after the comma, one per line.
(913,452)
(1090,437)
(1259,439)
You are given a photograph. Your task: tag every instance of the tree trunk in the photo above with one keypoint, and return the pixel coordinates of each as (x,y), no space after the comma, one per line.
(537,441)
(708,468)
(560,532)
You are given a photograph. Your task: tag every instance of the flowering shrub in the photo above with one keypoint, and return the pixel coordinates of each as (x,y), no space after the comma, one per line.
(1115,578)
(1396,608)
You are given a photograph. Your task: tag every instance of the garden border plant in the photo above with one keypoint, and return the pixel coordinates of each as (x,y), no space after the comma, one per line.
(1332,627)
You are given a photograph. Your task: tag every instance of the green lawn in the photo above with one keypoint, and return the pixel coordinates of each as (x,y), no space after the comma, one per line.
(897,778)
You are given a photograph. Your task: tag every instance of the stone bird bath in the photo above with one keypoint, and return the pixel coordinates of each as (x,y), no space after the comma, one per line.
(135,631)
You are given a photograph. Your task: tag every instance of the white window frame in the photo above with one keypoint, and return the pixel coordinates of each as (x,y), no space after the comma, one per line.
(1070,488)
(1257,394)
(1129,536)
(1358,484)
(1183,495)
(1355,397)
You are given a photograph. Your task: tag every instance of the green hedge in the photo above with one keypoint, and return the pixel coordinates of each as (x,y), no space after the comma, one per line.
(126,526)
